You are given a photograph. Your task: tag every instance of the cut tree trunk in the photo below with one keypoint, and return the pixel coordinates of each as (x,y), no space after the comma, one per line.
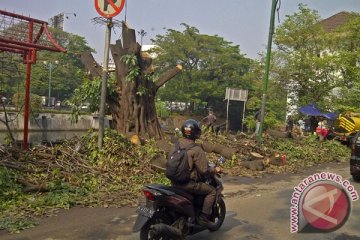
(254,165)
(132,103)
(224,151)
(277,134)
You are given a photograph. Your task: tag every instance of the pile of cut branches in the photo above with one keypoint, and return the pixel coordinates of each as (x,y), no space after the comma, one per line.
(46,178)
(298,154)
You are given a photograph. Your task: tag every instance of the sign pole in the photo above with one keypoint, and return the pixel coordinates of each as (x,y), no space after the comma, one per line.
(107,9)
(243,117)
(227,115)
(267,68)
(109,25)
(227,97)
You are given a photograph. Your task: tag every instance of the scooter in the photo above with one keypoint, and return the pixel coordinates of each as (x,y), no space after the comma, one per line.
(171,213)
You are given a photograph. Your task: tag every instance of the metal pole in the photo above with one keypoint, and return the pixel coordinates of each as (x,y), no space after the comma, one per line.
(267,67)
(29,55)
(104,82)
(27,101)
(50,68)
(243,118)
(227,114)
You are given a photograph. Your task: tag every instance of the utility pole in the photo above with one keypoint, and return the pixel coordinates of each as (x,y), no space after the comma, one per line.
(109,25)
(50,65)
(267,67)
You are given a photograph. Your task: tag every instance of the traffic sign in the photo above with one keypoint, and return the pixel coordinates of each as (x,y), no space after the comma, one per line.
(109,8)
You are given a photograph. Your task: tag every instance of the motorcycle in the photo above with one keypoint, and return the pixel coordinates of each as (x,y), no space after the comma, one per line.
(172,213)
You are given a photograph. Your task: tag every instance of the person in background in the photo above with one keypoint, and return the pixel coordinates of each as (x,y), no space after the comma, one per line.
(289,123)
(301,124)
(322,130)
(209,121)
(257,118)
(313,124)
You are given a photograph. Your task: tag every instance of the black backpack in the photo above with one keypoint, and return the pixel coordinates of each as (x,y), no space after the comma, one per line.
(177,165)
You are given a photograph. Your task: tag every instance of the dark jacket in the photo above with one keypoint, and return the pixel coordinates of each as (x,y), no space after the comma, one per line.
(199,165)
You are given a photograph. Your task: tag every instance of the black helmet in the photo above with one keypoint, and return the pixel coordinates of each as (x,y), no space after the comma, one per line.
(191,129)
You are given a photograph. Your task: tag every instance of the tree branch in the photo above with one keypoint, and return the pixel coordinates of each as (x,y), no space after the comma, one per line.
(167,76)
(6,122)
(91,66)
(129,39)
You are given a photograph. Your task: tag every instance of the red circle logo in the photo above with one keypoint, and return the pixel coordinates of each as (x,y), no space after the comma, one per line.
(326,206)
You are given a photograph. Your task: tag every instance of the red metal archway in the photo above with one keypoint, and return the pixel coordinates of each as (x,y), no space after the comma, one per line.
(24,35)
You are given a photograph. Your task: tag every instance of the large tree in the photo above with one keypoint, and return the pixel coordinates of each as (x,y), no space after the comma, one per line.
(210,65)
(310,61)
(131,101)
(11,74)
(346,45)
(66,75)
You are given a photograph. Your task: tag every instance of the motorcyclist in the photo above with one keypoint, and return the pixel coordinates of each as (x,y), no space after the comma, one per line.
(199,169)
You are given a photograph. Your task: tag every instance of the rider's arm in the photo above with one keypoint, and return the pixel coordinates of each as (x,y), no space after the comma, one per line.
(202,164)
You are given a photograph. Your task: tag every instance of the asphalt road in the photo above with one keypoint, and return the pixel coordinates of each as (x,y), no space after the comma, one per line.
(256,209)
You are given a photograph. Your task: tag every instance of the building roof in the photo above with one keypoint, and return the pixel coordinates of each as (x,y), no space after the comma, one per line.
(329,24)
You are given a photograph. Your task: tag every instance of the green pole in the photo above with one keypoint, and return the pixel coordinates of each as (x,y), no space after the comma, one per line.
(267,67)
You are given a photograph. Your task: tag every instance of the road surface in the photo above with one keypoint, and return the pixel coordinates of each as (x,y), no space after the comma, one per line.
(256,209)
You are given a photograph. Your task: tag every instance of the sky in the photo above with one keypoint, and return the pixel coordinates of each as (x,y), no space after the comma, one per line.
(242,22)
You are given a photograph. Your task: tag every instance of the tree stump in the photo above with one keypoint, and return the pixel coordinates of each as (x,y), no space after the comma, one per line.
(132,102)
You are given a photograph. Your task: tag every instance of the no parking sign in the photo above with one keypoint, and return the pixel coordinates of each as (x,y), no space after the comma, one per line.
(109,8)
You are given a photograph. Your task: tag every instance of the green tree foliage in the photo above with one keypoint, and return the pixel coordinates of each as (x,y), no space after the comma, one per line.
(275,108)
(210,65)
(313,62)
(161,109)
(346,39)
(12,75)
(35,102)
(299,67)
(87,94)
(66,75)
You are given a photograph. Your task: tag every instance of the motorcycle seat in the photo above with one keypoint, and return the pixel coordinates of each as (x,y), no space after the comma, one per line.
(170,190)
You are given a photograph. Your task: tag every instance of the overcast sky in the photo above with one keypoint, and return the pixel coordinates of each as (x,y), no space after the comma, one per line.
(243,22)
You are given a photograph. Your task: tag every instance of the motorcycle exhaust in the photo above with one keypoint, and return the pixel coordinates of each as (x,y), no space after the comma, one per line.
(167,231)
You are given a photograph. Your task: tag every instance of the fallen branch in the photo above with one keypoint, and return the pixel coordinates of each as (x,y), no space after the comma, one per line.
(219,149)
(29,187)
(15,166)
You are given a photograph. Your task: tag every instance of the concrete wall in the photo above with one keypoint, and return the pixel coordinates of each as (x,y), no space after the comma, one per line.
(52,122)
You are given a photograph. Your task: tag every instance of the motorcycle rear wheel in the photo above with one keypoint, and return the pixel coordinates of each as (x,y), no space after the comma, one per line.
(145,232)
(218,215)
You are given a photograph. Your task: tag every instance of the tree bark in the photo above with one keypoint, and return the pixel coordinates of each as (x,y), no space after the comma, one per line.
(91,66)
(132,105)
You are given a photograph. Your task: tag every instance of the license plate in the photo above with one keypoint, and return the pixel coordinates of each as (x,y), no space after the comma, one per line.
(145,211)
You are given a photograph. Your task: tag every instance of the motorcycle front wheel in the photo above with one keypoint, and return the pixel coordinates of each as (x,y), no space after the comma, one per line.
(146,232)
(218,215)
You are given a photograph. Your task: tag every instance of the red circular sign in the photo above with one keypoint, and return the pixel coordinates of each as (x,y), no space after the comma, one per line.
(109,8)
(326,206)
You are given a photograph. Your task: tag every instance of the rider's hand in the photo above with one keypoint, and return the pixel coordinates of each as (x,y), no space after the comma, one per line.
(217,170)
